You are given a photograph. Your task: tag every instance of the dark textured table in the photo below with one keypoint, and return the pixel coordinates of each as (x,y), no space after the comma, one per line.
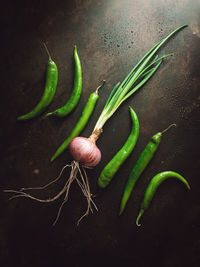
(111,37)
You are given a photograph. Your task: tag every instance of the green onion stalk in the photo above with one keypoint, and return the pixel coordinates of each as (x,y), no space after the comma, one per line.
(137,77)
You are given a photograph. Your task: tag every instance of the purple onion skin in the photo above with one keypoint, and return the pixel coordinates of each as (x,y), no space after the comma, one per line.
(85,151)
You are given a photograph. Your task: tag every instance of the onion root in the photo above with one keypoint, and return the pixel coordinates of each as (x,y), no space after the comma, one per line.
(75,175)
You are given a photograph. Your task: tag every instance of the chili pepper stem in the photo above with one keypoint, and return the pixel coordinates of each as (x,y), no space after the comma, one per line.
(47,51)
(139,216)
(171,125)
(97,90)
(48,114)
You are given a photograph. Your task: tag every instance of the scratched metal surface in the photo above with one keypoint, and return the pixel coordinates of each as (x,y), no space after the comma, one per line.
(111,37)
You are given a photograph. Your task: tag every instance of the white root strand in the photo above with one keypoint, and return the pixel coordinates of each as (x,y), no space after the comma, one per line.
(82,182)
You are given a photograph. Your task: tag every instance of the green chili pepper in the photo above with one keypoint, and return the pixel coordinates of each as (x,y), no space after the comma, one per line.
(143,160)
(153,186)
(49,91)
(86,113)
(112,167)
(76,92)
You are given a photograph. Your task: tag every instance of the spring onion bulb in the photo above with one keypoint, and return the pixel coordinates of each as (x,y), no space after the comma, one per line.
(85,151)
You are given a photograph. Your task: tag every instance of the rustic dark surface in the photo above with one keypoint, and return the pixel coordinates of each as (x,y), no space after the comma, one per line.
(111,37)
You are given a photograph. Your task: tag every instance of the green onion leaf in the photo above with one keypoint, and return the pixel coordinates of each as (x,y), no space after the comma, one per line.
(136,78)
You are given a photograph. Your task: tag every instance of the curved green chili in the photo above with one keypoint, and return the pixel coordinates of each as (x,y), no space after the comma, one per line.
(143,160)
(112,167)
(153,186)
(49,91)
(76,92)
(86,113)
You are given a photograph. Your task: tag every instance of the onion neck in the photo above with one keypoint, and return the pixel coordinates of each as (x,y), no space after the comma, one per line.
(95,135)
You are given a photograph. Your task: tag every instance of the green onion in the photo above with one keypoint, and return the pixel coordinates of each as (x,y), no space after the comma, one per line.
(137,77)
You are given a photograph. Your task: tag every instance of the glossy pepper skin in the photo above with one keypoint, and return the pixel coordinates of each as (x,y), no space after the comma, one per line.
(76,92)
(143,160)
(153,186)
(113,166)
(48,94)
